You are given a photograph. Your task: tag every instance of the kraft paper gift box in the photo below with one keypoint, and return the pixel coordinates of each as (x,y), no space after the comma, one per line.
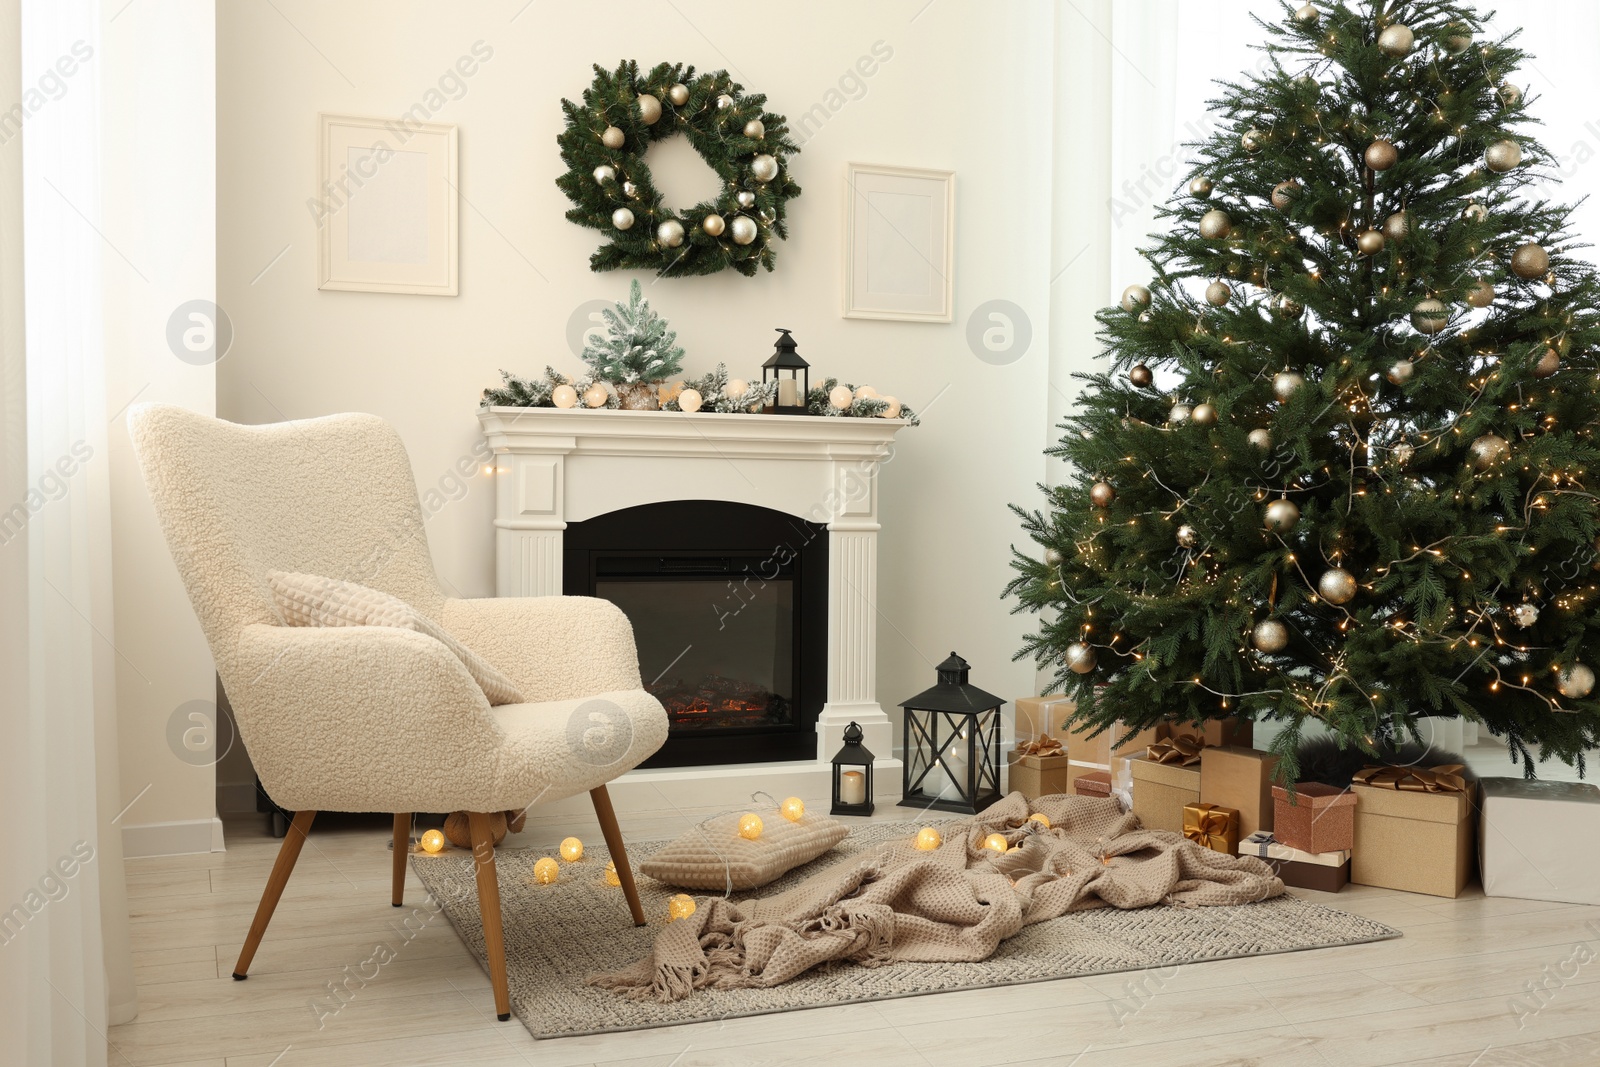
(1417,842)
(1539,840)
(1092,784)
(1326,872)
(1212,826)
(1239,778)
(1214,732)
(1318,818)
(1161,791)
(1039,776)
(1047,715)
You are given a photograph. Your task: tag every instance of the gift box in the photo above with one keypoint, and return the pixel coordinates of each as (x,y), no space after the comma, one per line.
(1318,818)
(1413,829)
(1161,791)
(1092,784)
(1326,872)
(1211,826)
(1046,715)
(1039,776)
(1239,778)
(1215,732)
(1537,840)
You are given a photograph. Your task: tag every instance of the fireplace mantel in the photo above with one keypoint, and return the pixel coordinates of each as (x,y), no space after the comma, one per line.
(555,466)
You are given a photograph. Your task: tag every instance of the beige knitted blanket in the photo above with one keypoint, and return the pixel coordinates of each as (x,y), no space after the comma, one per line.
(954,904)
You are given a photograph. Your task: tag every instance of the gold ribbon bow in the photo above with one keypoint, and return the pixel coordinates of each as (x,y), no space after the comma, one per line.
(1207,826)
(1182,750)
(1445,778)
(1045,746)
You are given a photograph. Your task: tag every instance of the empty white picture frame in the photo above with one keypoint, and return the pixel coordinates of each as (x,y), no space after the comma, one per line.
(899,243)
(387,208)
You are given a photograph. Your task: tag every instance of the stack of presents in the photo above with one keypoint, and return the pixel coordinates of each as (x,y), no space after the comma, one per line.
(1418,829)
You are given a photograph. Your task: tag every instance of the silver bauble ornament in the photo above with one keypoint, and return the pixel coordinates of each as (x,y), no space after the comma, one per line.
(1430,316)
(622,218)
(1201,187)
(1260,438)
(670,233)
(1525,615)
(1252,139)
(1397,226)
(713,225)
(1144,317)
(1381,154)
(1369,242)
(764,167)
(605,172)
(1502,156)
(1141,376)
(1204,415)
(1510,95)
(678,94)
(630,189)
(1285,384)
(1286,307)
(1396,40)
(1576,682)
(649,109)
(1053,557)
(743,229)
(1337,586)
(1179,414)
(1480,294)
(1489,450)
(1283,194)
(1307,15)
(1187,536)
(1458,38)
(1101,494)
(1529,261)
(1079,658)
(1135,298)
(755,129)
(1474,212)
(1269,635)
(1281,516)
(724,102)
(1548,363)
(745,198)
(1215,225)
(612,137)
(1217,293)
(1400,372)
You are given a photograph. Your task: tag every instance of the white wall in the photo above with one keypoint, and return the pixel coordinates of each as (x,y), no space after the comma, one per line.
(968,88)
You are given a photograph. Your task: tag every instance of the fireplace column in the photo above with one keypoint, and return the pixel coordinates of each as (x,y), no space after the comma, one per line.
(530,514)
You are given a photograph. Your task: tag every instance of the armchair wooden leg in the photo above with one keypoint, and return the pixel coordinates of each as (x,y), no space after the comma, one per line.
(288,852)
(619,851)
(494,939)
(402,851)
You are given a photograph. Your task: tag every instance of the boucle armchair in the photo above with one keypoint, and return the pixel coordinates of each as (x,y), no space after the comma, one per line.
(373,718)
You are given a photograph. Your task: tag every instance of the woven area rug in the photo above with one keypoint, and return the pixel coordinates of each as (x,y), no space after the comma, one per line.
(557,935)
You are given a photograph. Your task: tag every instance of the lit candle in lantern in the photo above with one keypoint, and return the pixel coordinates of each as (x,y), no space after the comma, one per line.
(788,392)
(853,787)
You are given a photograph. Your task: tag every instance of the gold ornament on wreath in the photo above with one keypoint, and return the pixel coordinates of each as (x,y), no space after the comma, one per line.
(603,146)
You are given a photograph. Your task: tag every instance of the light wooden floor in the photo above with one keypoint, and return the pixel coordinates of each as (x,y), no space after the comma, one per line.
(1443,996)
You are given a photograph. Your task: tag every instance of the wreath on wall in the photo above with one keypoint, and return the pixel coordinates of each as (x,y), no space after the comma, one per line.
(609,183)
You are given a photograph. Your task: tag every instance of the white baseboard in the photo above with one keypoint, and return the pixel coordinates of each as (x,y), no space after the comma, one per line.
(172,838)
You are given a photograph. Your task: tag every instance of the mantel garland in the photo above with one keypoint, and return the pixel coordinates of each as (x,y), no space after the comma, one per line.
(610,186)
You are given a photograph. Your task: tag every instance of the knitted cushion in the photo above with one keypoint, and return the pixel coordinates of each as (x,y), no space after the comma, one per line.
(713,856)
(311,600)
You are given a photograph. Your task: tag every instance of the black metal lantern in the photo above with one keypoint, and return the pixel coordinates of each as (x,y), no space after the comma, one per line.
(792,374)
(952,743)
(852,775)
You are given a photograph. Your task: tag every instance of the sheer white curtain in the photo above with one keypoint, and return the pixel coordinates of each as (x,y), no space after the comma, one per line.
(64,957)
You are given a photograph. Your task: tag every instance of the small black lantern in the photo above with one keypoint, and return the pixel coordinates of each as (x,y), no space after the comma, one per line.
(792,374)
(852,775)
(952,743)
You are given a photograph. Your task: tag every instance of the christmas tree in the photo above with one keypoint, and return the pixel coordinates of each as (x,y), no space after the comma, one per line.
(1340,467)
(638,346)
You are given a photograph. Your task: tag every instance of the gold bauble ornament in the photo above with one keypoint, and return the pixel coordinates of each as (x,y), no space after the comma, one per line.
(1269,635)
(1252,139)
(996,843)
(1079,657)
(713,225)
(1204,414)
(612,877)
(1053,557)
(1397,226)
(690,401)
(1529,261)
(1201,187)
(1458,38)
(1306,15)
(1260,438)
(1135,298)
(1141,376)
(611,137)
(928,839)
(1287,307)
(1215,225)
(622,219)
(1400,372)
(1396,40)
(1510,95)
(1430,316)
(1489,450)
(680,906)
(1041,818)
(564,396)
(744,230)
(571,849)
(1480,294)
(1502,156)
(678,94)
(670,233)
(841,397)
(755,129)
(1283,194)
(1281,516)
(432,842)
(724,101)
(1188,537)
(1381,154)
(1285,384)
(1475,212)
(750,826)
(764,168)
(546,871)
(1337,586)
(1576,682)
(1549,362)
(649,109)
(1179,414)
(1217,293)
(1369,242)
(792,808)
(1101,494)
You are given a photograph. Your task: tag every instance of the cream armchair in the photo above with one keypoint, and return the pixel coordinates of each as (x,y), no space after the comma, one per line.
(370,718)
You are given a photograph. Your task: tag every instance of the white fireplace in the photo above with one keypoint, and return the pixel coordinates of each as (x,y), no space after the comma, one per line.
(560,466)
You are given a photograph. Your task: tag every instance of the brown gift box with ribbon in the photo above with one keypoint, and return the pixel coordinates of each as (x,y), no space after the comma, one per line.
(1166,779)
(1318,818)
(1039,768)
(1212,826)
(1413,829)
(1240,778)
(1092,784)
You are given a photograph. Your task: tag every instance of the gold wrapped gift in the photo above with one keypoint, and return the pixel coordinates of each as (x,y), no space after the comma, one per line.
(1212,826)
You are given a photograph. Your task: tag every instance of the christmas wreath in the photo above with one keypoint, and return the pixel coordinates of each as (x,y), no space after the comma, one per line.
(610,186)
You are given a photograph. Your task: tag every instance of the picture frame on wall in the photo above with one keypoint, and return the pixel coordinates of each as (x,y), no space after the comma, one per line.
(899,243)
(386,206)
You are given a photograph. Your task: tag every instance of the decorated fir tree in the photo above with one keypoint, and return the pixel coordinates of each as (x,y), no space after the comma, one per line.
(638,347)
(1342,467)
